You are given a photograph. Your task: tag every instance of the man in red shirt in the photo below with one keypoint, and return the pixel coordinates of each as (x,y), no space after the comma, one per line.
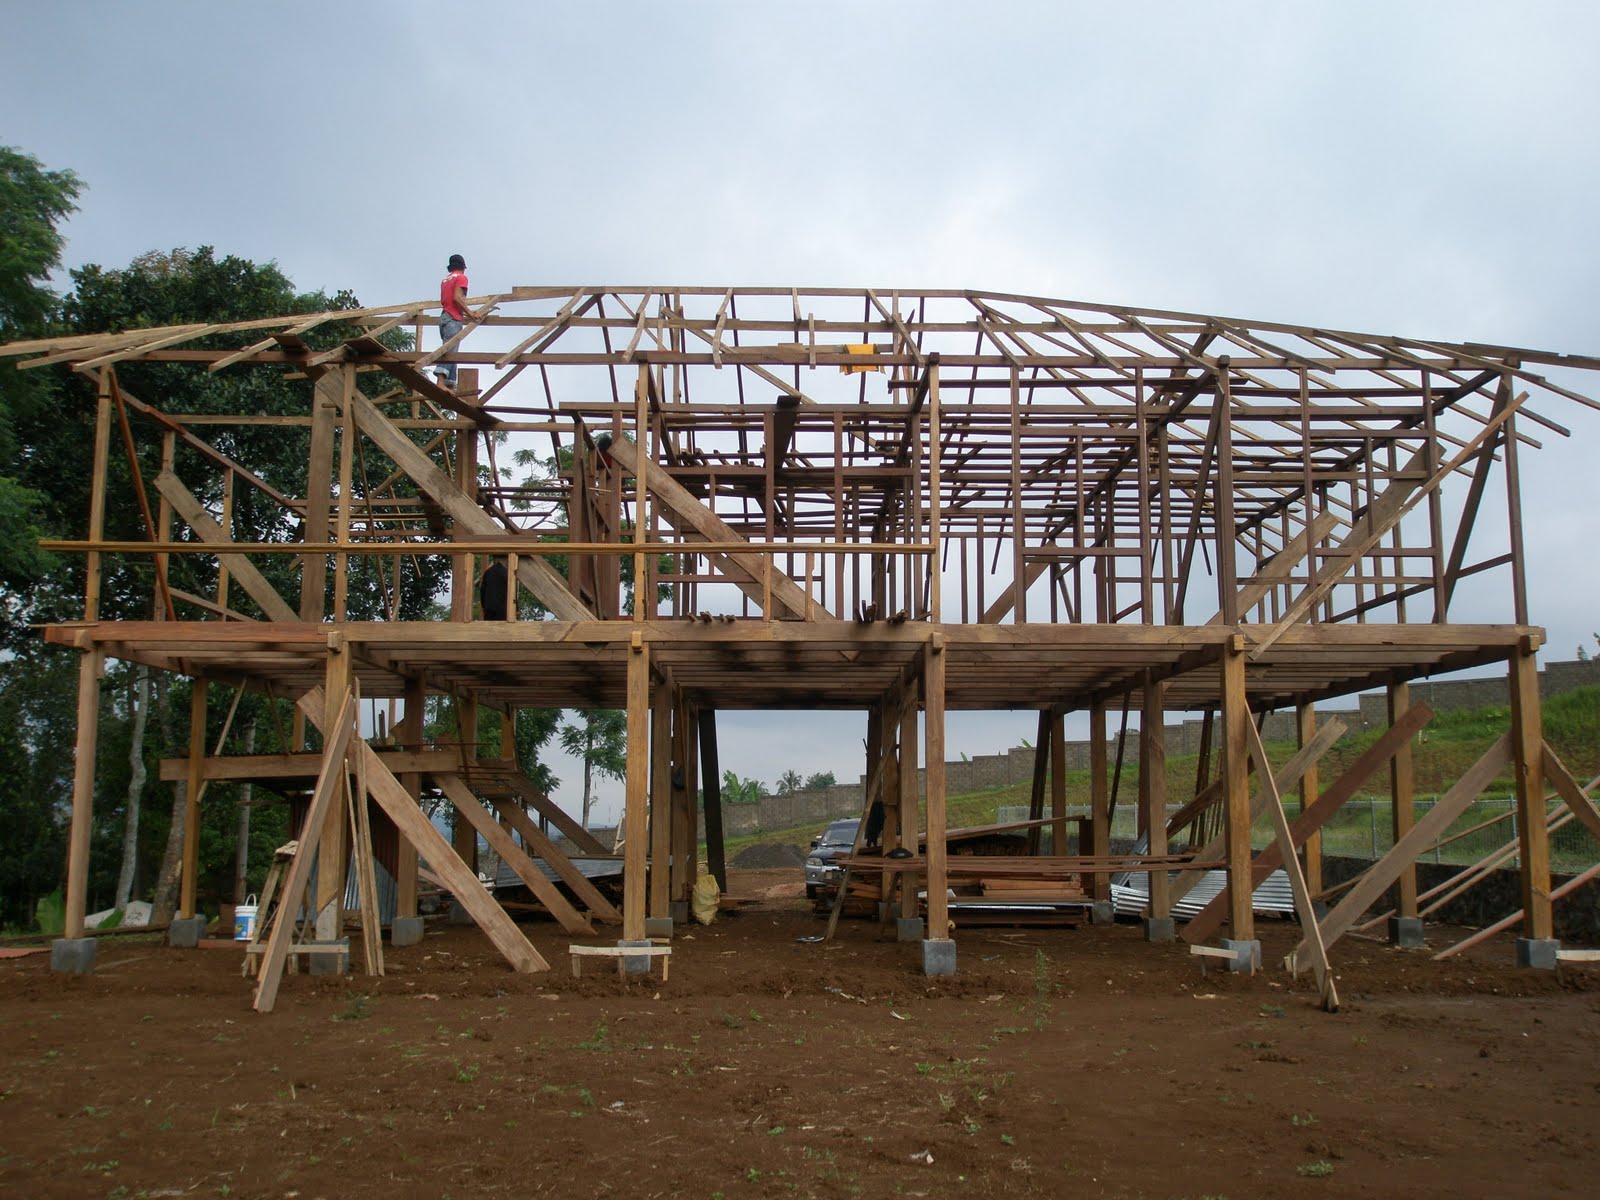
(455,314)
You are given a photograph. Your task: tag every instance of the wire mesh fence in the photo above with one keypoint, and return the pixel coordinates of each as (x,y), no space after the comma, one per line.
(1364,829)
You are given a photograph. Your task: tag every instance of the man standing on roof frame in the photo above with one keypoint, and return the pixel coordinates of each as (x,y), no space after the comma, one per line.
(453,318)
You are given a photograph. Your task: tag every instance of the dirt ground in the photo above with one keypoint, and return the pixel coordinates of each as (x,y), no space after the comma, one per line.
(1056,1063)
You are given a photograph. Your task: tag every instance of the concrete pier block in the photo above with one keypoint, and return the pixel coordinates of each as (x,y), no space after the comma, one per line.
(1160,929)
(908,929)
(458,914)
(655,927)
(1246,954)
(72,956)
(1103,913)
(938,956)
(185,932)
(1537,953)
(638,964)
(678,910)
(330,964)
(405,931)
(1406,932)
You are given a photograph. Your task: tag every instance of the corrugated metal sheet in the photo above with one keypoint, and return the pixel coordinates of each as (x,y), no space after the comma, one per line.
(592,868)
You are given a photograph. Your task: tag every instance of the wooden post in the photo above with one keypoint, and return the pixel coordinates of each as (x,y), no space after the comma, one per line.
(908,796)
(1527,739)
(711,782)
(1306,728)
(1153,787)
(933,714)
(636,810)
(1099,799)
(191,817)
(1058,783)
(685,853)
(1236,790)
(1041,767)
(463,837)
(1402,799)
(347,439)
(90,666)
(333,845)
(660,800)
(326,397)
(410,736)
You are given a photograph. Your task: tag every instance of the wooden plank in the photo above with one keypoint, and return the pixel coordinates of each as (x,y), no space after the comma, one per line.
(1528,758)
(933,678)
(538,576)
(534,837)
(1297,883)
(688,515)
(636,804)
(460,879)
(1386,870)
(511,854)
(330,786)
(255,584)
(1573,795)
(1209,918)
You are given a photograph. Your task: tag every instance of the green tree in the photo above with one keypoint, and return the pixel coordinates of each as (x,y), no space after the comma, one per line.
(789,783)
(600,739)
(33,201)
(741,791)
(819,781)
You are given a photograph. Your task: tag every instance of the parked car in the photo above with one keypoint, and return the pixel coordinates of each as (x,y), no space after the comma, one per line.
(837,840)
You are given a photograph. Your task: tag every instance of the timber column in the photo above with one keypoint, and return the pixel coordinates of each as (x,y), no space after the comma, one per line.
(1099,814)
(1158,924)
(1537,946)
(636,804)
(406,929)
(1405,927)
(938,950)
(73,952)
(1236,807)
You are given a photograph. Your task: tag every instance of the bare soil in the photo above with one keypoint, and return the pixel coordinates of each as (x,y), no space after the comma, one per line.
(1056,1063)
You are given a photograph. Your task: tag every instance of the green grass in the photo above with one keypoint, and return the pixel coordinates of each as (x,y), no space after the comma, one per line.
(1442,753)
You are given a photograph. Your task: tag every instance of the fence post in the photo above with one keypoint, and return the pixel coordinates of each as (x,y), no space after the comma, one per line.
(1372,820)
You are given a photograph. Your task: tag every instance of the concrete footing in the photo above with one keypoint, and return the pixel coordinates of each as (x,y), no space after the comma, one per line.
(1160,929)
(638,964)
(1246,954)
(72,956)
(655,927)
(330,964)
(458,914)
(1537,953)
(938,956)
(1103,913)
(405,931)
(1406,932)
(185,932)
(908,929)
(678,910)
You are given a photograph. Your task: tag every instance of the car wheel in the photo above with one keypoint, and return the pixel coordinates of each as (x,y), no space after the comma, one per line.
(811,891)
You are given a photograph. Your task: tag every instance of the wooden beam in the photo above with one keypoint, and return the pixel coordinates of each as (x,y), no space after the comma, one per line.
(255,584)
(933,676)
(636,811)
(1237,817)
(1297,884)
(1315,817)
(538,576)
(711,785)
(1527,736)
(1377,878)
(1402,799)
(546,892)
(1152,791)
(90,665)
(339,730)
(535,839)
(1574,796)
(690,517)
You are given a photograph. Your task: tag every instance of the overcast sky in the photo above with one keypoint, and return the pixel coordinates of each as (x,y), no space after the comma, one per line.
(1425,169)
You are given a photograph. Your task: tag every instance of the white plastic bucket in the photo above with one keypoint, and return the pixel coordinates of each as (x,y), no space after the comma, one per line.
(244,920)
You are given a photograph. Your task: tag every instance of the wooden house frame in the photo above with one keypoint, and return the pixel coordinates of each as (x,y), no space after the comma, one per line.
(899,502)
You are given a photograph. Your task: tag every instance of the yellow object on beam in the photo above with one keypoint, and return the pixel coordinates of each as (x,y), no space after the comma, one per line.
(859,368)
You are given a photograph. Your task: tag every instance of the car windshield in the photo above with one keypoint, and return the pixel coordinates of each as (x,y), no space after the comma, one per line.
(840,833)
